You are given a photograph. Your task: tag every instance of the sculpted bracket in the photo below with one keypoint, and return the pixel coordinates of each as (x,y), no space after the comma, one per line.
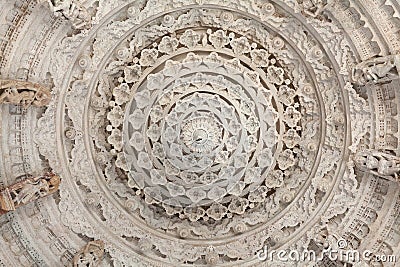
(23,93)
(27,191)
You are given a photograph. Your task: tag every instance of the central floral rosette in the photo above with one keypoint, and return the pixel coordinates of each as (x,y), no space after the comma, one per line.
(201,134)
(202,131)
(210,131)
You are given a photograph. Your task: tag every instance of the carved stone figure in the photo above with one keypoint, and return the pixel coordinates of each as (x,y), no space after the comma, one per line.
(27,191)
(30,191)
(72,10)
(23,93)
(381,69)
(321,238)
(315,8)
(379,163)
(90,255)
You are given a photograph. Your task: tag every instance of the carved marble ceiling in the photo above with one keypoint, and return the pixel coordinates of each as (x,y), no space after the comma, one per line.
(199,132)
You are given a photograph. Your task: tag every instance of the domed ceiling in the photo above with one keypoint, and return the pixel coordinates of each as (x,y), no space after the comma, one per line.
(199,132)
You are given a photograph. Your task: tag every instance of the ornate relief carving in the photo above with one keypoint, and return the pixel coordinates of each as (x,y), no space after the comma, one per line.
(203,86)
(204,125)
